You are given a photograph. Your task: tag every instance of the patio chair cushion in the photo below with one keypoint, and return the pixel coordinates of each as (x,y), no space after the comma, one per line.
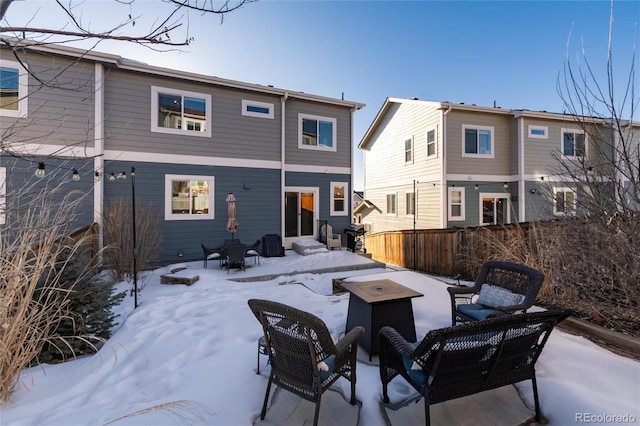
(326,367)
(213,256)
(494,296)
(476,310)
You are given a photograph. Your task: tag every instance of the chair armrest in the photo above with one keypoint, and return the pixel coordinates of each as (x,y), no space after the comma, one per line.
(460,290)
(398,342)
(349,339)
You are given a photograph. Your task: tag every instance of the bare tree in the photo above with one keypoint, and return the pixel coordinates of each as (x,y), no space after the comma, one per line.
(598,256)
(170,28)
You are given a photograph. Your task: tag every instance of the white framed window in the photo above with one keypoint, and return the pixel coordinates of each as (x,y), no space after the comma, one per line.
(538,132)
(391,204)
(494,209)
(339,199)
(477,141)
(573,143)
(257,109)
(180,112)
(188,197)
(431,143)
(410,203)
(315,132)
(564,202)
(3,193)
(14,83)
(456,203)
(408,150)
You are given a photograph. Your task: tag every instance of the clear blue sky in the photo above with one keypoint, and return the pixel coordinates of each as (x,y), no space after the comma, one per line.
(507,52)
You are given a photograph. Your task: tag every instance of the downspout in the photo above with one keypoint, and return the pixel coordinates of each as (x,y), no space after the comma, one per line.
(521,182)
(283,101)
(98,143)
(443,177)
(353,159)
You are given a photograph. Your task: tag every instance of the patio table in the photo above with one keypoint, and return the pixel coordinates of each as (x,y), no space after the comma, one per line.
(375,304)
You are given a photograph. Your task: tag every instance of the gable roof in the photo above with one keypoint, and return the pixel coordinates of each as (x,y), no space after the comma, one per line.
(119,62)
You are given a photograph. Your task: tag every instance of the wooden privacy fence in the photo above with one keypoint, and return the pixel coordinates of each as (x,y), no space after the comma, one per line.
(447,252)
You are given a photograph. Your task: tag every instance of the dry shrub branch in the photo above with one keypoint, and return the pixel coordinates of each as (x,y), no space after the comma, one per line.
(118,238)
(34,257)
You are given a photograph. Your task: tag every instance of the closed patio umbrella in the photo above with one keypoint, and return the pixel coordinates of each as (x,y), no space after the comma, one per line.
(232,223)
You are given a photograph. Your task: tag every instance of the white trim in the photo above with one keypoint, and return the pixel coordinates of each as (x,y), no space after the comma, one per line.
(564,190)
(407,204)
(478,128)
(395,207)
(305,168)
(248,103)
(484,178)
(577,132)
(156,90)
(411,149)
(434,129)
(493,195)
(150,157)
(23,91)
(345,198)
(168,211)
(450,215)
(532,128)
(318,147)
(3,193)
(98,160)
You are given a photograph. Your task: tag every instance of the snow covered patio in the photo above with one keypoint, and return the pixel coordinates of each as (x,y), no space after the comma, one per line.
(188,354)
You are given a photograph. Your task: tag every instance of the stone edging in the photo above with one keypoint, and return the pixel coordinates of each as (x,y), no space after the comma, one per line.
(629,346)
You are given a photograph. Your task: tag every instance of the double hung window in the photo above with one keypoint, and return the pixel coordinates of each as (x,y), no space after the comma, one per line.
(564,202)
(410,206)
(391,204)
(408,150)
(315,132)
(188,197)
(573,143)
(339,191)
(431,143)
(180,112)
(477,141)
(456,203)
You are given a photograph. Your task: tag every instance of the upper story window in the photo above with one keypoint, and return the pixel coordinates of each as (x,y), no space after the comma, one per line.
(408,150)
(456,203)
(538,132)
(564,201)
(315,132)
(410,203)
(180,112)
(257,109)
(391,204)
(431,143)
(573,143)
(477,141)
(13,89)
(339,191)
(188,197)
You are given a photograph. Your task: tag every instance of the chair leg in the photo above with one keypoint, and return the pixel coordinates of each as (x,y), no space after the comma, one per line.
(535,399)
(258,372)
(266,399)
(427,417)
(317,413)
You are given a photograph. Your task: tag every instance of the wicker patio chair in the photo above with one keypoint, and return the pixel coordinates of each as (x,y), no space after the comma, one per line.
(211,254)
(252,251)
(469,358)
(501,288)
(235,257)
(330,239)
(304,360)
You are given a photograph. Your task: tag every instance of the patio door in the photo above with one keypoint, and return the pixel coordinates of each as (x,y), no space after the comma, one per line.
(300,213)
(494,209)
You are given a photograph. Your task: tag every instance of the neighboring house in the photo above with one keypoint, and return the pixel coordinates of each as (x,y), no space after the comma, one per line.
(286,155)
(358,198)
(441,164)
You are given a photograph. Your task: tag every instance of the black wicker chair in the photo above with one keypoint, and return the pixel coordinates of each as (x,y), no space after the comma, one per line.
(235,257)
(252,251)
(304,360)
(501,287)
(469,358)
(211,254)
